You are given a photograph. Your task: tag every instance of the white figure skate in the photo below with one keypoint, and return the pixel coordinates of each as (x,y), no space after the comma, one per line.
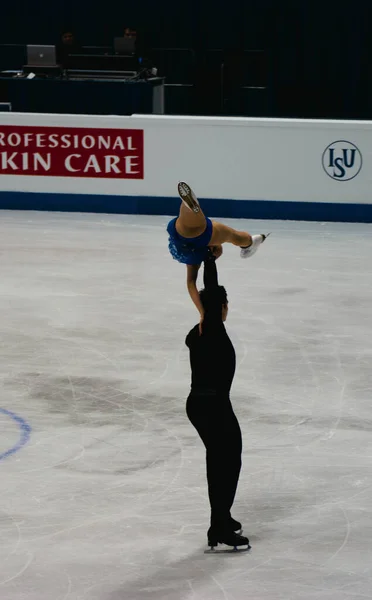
(257,240)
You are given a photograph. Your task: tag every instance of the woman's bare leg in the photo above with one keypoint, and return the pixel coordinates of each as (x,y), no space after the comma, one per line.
(190,224)
(223,234)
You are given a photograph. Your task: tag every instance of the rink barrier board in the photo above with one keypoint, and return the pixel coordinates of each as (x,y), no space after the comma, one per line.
(153,205)
(289,169)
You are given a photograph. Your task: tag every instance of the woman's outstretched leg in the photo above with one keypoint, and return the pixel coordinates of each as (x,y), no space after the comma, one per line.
(223,234)
(192,218)
(192,223)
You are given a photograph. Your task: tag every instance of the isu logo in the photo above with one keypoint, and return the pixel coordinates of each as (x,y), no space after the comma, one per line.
(71,152)
(342,160)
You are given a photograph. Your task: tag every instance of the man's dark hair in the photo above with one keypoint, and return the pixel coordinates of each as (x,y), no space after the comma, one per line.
(213,299)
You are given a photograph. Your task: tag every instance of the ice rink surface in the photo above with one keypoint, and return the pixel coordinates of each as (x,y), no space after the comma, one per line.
(102,477)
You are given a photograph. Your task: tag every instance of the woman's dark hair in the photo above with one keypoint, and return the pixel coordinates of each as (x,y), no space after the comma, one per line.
(213,299)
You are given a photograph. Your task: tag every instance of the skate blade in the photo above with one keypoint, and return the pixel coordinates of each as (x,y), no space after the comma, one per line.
(188,197)
(184,189)
(228,550)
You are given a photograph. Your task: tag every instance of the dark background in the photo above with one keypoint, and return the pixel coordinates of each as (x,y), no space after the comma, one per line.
(311,58)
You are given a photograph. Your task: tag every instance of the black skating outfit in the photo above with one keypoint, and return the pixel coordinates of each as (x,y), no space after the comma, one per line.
(212,359)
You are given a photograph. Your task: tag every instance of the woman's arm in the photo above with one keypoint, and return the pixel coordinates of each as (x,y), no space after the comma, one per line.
(192,276)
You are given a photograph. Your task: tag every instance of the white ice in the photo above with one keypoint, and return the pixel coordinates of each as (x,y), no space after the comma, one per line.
(108,499)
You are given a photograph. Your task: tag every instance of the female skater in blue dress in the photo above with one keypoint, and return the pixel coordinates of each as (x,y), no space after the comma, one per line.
(191,234)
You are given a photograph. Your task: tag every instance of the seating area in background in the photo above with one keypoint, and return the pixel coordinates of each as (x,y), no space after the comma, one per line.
(79,80)
(210,82)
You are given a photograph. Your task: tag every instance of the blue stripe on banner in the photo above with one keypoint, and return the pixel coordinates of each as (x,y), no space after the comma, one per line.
(153,205)
(24,433)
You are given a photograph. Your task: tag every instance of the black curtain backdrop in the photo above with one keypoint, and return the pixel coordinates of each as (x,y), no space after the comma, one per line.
(321,57)
(317,52)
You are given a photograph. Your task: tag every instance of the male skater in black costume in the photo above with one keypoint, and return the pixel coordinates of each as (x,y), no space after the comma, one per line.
(212,359)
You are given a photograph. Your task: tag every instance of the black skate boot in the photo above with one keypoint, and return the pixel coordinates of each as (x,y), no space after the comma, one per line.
(236,526)
(238,543)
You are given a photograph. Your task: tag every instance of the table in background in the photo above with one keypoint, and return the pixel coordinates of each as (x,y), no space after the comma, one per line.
(87,96)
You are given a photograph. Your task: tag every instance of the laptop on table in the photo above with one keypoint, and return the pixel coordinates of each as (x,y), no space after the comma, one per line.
(41,56)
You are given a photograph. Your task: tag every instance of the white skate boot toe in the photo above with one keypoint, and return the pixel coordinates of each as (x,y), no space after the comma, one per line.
(257,240)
